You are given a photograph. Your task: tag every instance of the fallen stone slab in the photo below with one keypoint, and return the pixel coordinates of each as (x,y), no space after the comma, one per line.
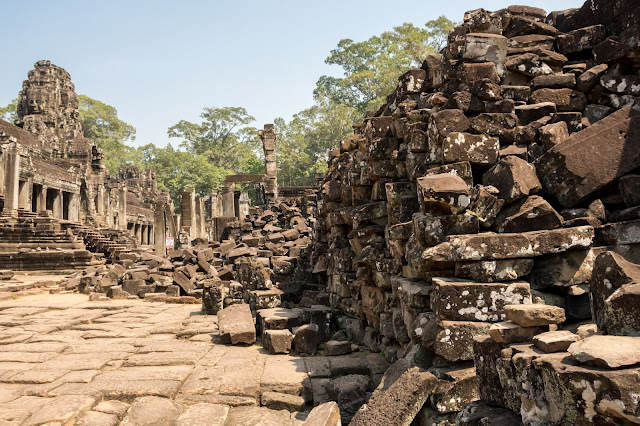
(610,272)
(278,319)
(555,341)
(462,300)
(534,314)
(575,168)
(488,246)
(327,414)
(494,270)
(607,351)
(510,332)
(282,401)
(277,341)
(399,402)
(236,325)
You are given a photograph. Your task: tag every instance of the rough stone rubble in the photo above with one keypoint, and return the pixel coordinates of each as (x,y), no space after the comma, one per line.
(476,222)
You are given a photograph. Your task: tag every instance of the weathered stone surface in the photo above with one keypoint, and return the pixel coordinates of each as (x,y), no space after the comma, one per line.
(453,340)
(151,410)
(461,300)
(457,387)
(571,172)
(443,192)
(305,339)
(607,351)
(630,189)
(610,272)
(277,341)
(430,230)
(396,401)
(621,311)
(531,214)
(514,177)
(494,270)
(564,99)
(476,149)
(335,347)
(197,414)
(444,122)
(236,324)
(327,414)
(278,319)
(534,314)
(479,413)
(555,341)
(486,246)
(510,332)
(581,39)
(282,401)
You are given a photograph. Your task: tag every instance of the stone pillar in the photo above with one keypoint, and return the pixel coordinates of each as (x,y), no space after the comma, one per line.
(213,212)
(159,229)
(74,207)
(188,212)
(122,207)
(144,237)
(268,136)
(57,205)
(11,180)
(228,199)
(243,205)
(199,218)
(100,201)
(42,200)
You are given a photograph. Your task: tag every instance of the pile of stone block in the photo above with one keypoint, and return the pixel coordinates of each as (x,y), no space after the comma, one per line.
(492,178)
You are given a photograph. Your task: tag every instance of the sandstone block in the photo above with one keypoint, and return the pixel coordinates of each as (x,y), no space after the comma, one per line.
(514,177)
(571,172)
(534,314)
(236,325)
(461,300)
(277,341)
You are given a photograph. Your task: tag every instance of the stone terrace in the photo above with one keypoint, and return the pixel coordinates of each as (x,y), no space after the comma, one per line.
(65,360)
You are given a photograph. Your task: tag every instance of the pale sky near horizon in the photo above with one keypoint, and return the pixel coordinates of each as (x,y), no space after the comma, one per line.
(159,62)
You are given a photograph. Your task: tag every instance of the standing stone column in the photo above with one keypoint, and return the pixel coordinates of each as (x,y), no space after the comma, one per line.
(74,207)
(11,180)
(122,208)
(214,212)
(188,212)
(228,199)
(268,136)
(159,228)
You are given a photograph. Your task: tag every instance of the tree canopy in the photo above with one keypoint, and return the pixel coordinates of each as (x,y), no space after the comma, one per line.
(100,123)
(224,136)
(9,113)
(371,67)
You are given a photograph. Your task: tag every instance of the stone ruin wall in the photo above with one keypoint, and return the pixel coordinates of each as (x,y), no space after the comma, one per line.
(502,174)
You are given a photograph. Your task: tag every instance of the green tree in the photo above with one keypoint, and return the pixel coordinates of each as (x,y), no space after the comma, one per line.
(224,137)
(100,123)
(304,142)
(177,170)
(371,67)
(9,113)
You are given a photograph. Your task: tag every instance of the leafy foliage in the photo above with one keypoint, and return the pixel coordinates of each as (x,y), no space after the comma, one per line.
(371,67)
(9,113)
(177,170)
(224,137)
(304,142)
(100,123)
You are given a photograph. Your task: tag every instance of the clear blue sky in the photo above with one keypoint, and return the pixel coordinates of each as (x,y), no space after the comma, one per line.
(161,61)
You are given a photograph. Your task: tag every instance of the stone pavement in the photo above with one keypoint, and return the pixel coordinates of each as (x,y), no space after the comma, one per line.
(65,360)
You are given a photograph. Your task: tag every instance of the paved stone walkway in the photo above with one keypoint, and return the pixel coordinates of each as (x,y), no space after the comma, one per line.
(65,360)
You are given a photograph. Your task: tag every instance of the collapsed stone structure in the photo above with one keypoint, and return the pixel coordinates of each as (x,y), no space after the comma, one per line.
(482,208)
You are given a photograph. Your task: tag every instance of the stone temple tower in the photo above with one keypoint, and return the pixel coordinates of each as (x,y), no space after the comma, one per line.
(48,107)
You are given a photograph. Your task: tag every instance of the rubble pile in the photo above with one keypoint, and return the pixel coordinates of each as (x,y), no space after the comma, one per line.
(472,211)
(255,263)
